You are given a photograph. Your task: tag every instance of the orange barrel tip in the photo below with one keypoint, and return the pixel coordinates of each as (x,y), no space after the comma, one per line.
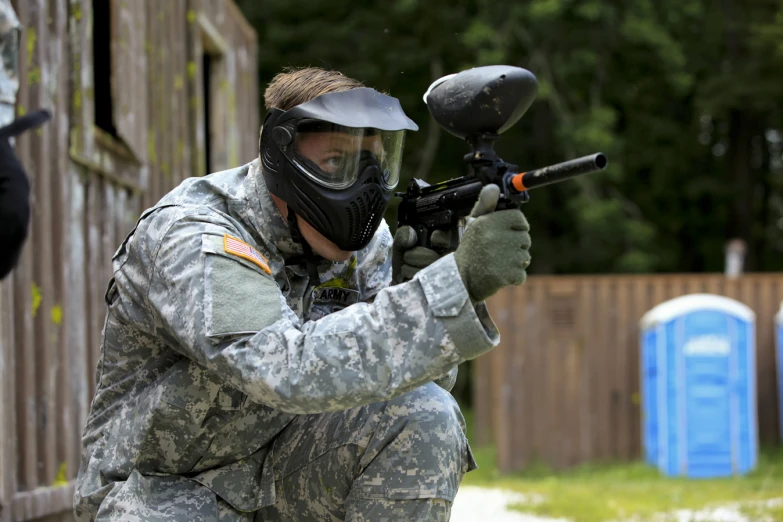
(518,182)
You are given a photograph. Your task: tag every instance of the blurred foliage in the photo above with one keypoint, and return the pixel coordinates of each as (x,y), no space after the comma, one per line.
(683,96)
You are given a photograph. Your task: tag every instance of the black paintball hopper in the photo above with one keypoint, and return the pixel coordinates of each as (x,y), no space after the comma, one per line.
(482,100)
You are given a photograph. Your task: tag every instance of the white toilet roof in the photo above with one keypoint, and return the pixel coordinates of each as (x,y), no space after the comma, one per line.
(678,306)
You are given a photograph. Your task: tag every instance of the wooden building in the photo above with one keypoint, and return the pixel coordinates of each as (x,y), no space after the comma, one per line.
(144,93)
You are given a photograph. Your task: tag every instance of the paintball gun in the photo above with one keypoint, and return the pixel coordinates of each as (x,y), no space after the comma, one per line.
(477,105)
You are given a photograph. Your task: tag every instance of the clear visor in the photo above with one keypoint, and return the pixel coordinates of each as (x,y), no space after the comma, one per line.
(334,156)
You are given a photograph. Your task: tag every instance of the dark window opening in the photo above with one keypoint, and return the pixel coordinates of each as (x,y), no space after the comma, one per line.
(206,78)
(101,48)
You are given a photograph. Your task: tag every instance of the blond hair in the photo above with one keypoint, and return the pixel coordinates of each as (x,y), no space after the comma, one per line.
(294,86)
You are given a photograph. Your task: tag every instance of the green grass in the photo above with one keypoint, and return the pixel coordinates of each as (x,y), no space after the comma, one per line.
(605,492)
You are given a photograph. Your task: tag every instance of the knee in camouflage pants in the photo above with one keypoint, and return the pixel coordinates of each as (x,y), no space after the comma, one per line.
(402,459)
(399,460)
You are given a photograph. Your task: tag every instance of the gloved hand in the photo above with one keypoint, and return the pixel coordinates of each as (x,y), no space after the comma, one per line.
(408,259)
(493,252)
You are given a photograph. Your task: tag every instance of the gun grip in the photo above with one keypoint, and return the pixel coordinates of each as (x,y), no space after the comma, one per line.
(422,236)
(456,235)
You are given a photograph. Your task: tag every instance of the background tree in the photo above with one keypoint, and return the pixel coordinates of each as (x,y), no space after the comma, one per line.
(682,95)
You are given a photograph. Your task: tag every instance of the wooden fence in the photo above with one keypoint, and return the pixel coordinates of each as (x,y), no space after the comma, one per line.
(144,93)
(563,387)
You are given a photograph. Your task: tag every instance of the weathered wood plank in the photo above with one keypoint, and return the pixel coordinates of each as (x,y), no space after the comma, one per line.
(108,247)
(766,305)
(642,303)
(245,30)
(93,218)
(67,449)
(530,349)
(218,49)
(624,344)
(165,12)
(27,292)
(77,366)
(602,357)
(42,502)
(501,415)
(38,72)
(180,159)
(8,453)
(248,94)
(119,222)
(177,93)
(586,310)
(571,382)
(129,67)
(482,418)
(535,297)
(154,87)
(516,332)
(82,102)
(195,72)
(230,78)
(241,100)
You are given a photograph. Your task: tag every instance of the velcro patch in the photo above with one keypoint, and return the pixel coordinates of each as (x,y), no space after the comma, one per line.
(241,249)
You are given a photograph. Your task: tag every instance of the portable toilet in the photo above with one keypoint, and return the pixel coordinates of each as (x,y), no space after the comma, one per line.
(779,358)
(698,387)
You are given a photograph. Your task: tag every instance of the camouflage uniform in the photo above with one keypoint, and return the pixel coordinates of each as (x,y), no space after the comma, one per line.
(229,390)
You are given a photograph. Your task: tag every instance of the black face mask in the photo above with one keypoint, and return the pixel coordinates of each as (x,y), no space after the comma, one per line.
(349,215)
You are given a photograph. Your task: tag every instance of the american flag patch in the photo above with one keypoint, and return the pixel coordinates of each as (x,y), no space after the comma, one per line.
(241,249)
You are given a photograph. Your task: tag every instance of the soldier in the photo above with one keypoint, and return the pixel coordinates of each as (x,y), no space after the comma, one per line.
(257,361)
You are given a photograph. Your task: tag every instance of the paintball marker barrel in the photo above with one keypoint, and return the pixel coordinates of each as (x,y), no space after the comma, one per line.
(558,172)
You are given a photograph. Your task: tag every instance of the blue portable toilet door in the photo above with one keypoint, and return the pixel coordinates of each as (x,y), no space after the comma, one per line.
(708,414)
(649,387)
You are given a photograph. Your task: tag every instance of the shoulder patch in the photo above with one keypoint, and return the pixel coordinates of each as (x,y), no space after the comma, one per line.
(241,249)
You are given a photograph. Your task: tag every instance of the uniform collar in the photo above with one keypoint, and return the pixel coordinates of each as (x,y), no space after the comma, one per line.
(266,217)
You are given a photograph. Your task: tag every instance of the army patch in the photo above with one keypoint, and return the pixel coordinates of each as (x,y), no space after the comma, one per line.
(241,249)
(335,295)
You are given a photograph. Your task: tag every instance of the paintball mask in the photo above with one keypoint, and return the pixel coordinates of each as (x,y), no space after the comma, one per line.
(335,161)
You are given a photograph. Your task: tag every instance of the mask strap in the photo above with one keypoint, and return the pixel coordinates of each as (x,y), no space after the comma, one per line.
(310,258)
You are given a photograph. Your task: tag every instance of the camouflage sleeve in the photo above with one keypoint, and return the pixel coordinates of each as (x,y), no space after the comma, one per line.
(375,273)
(230,316)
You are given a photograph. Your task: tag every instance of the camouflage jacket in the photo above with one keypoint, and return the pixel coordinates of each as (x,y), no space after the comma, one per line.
(211,343)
